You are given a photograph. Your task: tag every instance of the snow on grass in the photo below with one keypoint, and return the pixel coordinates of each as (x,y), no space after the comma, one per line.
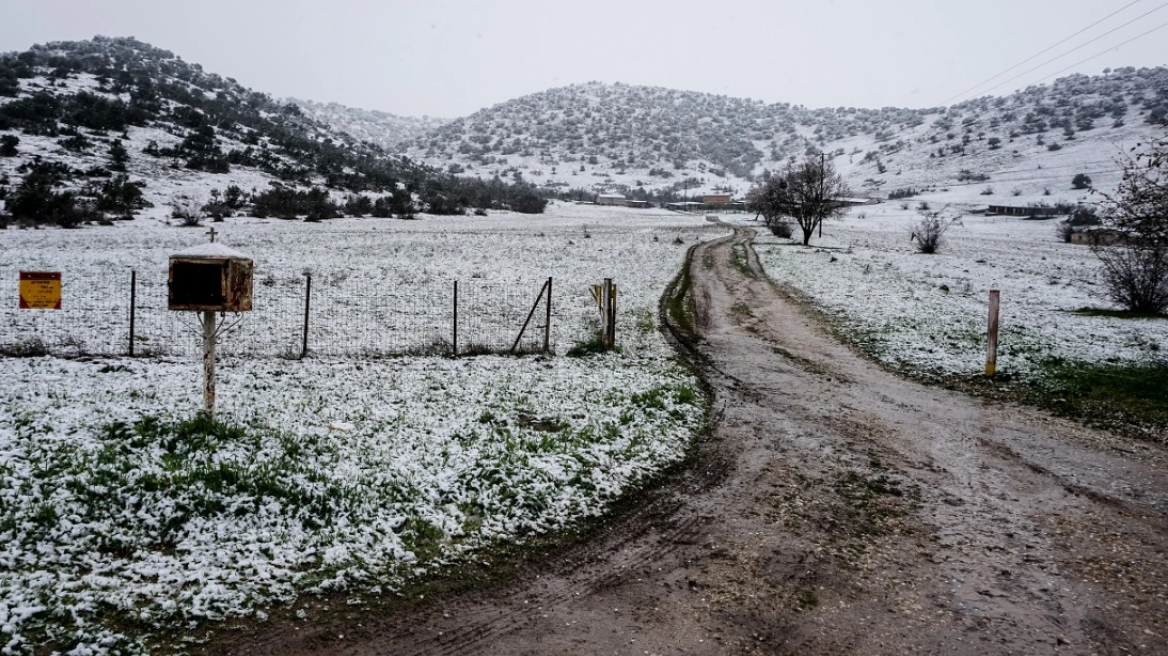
(928,313)
(124,521)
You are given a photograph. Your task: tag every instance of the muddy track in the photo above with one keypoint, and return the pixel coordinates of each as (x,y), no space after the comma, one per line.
(835,509)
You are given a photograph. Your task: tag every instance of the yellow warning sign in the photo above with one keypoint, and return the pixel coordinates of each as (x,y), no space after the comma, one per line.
(40,290)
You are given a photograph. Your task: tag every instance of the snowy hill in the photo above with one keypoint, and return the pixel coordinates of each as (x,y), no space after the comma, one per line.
(113,127)
(648,140)
(381,128)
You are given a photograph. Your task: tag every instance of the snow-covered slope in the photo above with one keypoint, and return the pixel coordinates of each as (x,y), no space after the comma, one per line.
(598,137)
(91,130)
(381,128)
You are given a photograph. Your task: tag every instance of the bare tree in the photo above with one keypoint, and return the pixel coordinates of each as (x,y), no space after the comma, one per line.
(807,193)
(1135,269)
(1139,205)
(929,232)
(1136,276)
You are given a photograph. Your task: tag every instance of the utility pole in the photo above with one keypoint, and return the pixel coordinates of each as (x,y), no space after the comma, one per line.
(822,180)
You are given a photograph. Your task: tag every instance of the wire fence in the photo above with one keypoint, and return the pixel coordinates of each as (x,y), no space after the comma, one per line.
(296,315)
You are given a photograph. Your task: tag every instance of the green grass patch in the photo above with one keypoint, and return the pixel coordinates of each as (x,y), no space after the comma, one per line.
(677,305)
(1109,394)
(1127,398)
(742,260)
(592,346)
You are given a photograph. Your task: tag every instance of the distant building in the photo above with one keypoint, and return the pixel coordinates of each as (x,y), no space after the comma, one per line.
(1014,210)
(637,203)
(611,199)
(717,199)
(1099,237)
(857,201)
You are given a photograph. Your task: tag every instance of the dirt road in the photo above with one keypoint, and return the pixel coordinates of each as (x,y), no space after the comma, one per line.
(836,509)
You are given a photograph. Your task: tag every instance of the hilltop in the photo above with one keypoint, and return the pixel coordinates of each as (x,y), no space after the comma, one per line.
(650,141)
(113,127)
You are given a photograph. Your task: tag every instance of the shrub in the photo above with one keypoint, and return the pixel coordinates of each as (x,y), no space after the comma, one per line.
(8,144)
(118,155)
(782,229)
(929,232)
(1081,181)
(77,143)
(188,210)
(1064,230)
(1084,215)
(988,191)
(122,196)
(233,197)
(359,205)
(1136,276)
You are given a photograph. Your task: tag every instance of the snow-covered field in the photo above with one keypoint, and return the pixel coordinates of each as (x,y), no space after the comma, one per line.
(120,523)
(928,313)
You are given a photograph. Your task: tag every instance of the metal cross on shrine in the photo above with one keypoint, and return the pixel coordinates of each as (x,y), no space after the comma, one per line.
(212,232)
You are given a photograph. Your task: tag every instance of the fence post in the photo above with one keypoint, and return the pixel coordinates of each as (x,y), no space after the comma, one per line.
(209,364)
(133,305)
(608,313)
(454,325)
(307,307)
(992,334)
(547,326)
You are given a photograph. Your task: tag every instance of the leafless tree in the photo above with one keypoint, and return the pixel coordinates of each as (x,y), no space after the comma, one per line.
(807,193)
(1135,269)
(929,232)
(1136,276)
(1139,205)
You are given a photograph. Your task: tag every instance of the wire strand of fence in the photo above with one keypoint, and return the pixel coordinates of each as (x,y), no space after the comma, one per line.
(350,316)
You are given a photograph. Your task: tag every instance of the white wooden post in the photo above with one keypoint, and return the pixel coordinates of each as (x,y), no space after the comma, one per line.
(992,334)
(209,364)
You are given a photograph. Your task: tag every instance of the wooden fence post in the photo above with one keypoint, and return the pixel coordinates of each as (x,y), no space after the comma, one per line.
(608,313)
(454,327)
(133,306)
(307,307)
(209,364)
(992,334)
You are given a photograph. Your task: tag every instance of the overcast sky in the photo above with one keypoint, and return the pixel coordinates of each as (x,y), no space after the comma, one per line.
(450,58)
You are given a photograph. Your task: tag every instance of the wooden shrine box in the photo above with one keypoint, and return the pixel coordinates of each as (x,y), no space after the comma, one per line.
(210,277)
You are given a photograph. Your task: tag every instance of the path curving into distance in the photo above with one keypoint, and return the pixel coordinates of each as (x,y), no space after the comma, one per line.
(835,509)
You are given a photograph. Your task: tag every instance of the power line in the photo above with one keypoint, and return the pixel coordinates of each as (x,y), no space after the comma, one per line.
(1044,51)
(1082,45)
(1104,52)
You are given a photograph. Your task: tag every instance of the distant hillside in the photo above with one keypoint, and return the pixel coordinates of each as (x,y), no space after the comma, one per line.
(635,139)
(381,128)
(112,127)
